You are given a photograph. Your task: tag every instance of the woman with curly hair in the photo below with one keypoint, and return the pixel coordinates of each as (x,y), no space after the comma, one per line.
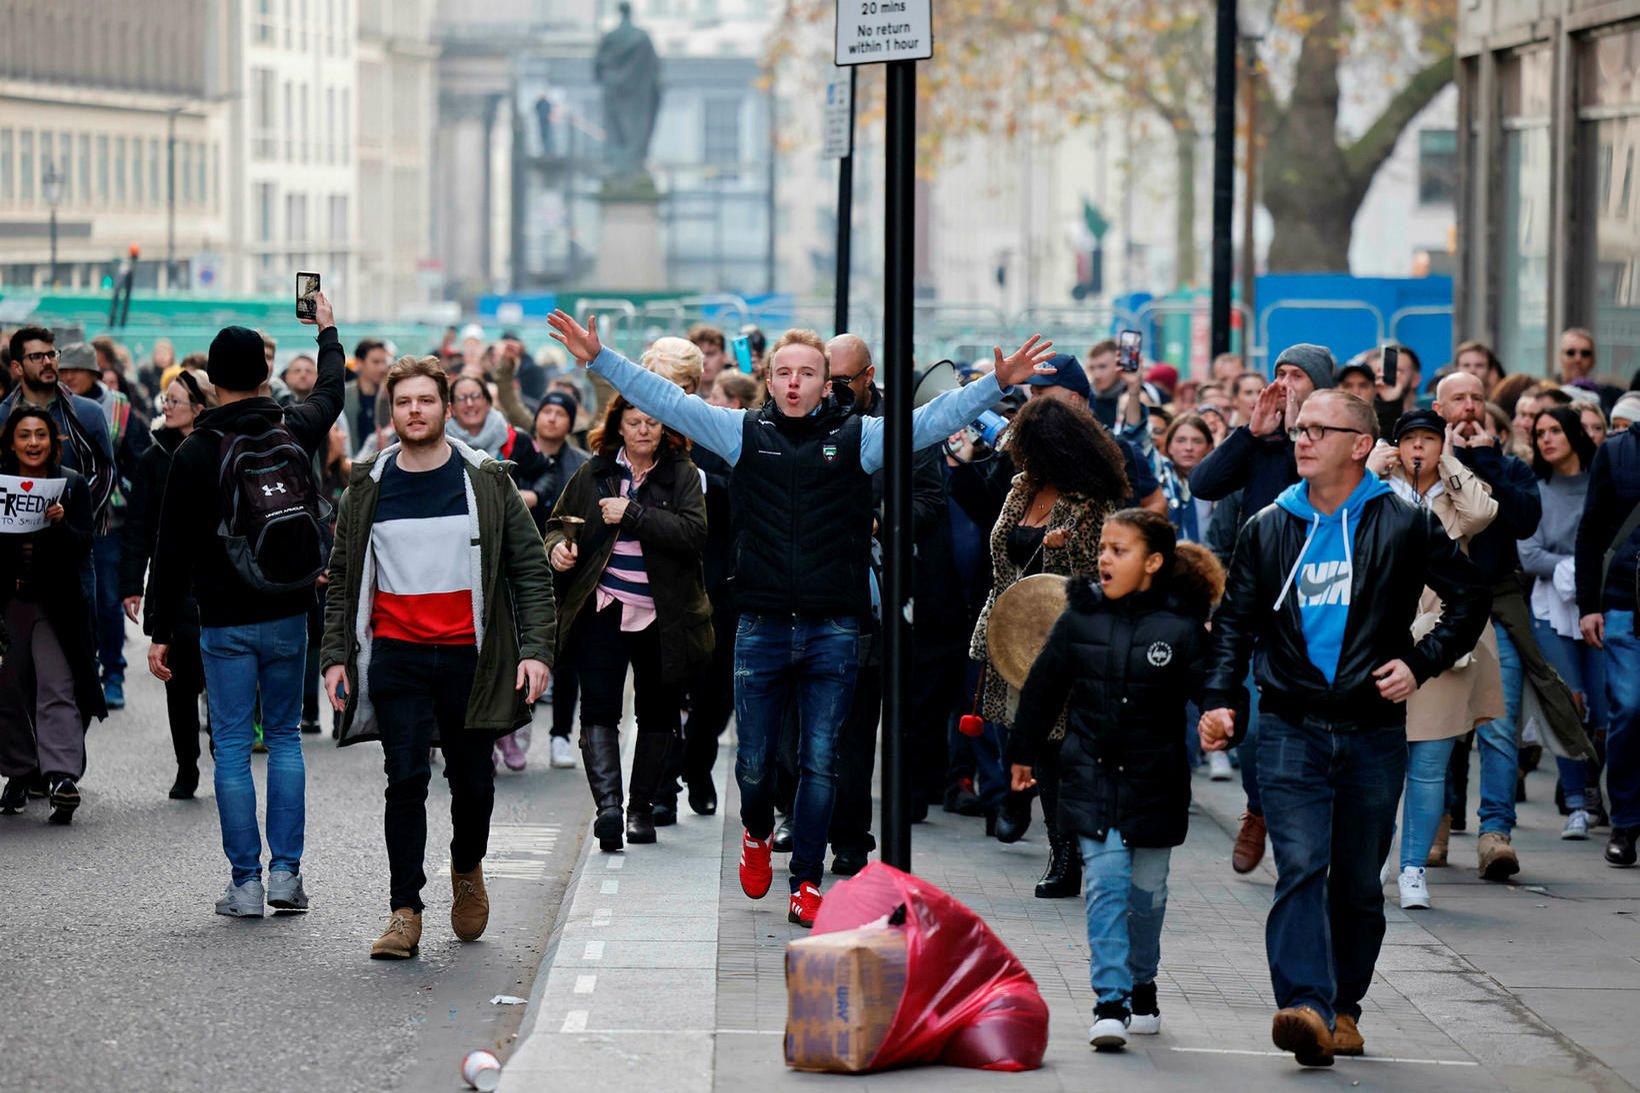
(1070,478)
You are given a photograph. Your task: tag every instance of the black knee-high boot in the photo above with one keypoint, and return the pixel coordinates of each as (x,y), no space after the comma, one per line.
(648,761)
(601,755)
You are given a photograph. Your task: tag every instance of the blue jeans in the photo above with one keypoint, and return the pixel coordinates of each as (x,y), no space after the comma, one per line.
(1425,802)
(1125,893)
(105,560)
(1499,745)
(1623,728)
(1583,667)
(810,665)
(241,662)
(1329,797)
(1248,750)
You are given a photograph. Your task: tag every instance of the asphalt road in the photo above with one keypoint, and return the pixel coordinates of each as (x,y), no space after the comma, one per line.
(116,973)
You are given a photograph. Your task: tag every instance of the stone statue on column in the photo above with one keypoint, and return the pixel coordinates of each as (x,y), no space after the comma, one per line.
(628,72)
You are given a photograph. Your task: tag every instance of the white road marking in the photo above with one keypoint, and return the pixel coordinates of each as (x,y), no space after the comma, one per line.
(595,951)
(610,887)
(517,852)
(602,916)
(614,861)
(586,984)
(575,1021)
(1341,1058)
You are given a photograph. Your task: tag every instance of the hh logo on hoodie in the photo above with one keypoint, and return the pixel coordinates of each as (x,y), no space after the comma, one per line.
(1323,584)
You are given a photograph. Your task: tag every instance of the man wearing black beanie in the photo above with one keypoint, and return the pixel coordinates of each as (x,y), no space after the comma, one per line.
(253,641)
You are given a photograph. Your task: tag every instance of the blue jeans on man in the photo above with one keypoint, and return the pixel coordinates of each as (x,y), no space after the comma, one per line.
(808,664)
(1499,745)
(1623,710)
(105,560)
(1330,791)
(1125,898)
(266,660)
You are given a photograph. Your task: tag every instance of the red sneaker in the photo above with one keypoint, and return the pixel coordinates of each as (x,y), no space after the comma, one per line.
(805,905)
(756,873)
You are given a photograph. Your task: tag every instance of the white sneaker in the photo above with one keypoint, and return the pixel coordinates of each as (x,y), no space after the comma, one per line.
(1414,889)
(1145,1024)
(1109,1033)
(1387,871)
(1218,767)
(563,754)
(1577,825)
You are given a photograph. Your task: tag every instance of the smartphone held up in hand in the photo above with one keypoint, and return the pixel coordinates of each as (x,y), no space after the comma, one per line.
(1390,356)
(743,354)
(307,291)
(1128,343)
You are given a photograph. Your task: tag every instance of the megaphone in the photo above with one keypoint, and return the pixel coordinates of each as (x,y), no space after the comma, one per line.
(935,380)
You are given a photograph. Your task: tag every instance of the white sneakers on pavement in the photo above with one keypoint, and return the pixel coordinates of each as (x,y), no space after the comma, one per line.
(1414,889)
(1577,825)
(562,753)
(1218,767)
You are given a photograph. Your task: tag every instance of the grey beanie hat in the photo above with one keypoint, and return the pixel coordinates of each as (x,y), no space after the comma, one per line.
(78,355)
(1316,361)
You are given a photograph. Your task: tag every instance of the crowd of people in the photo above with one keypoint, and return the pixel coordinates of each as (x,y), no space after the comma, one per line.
(1342,580)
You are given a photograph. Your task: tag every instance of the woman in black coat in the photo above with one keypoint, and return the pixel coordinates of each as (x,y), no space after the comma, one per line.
(182,402)
(631,589)
(49,686)
(1127,656)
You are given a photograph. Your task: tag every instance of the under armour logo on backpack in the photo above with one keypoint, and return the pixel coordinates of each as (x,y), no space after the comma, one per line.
(277,487)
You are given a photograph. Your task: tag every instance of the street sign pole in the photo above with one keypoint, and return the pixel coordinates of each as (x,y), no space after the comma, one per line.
(845,198)
(1224,172)
(899,33)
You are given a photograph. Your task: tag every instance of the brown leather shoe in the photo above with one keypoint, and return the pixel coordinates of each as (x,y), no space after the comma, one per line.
(470,911)
(402,938)
(1497,857)
(1438,848)
(1347,1036)
(1249,848)
(1303,1031)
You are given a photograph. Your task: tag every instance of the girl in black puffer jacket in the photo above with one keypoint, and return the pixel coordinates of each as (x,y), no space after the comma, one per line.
(1122,661)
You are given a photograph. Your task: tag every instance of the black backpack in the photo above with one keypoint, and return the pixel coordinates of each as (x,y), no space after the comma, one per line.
(273,518)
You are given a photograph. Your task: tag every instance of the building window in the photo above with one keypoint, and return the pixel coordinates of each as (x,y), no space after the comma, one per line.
(290,120)
(1606,257)
(25,166)
(264,22)
(8,187)
(65,165)
(330,125)
(85,169)
(1523,287)
(156,193)
(721,135)
(305,123)
(347,120)
(119,170)
(338,218)
(264,211)
(265,110)
(185,170)
(199,174)
(1437,166)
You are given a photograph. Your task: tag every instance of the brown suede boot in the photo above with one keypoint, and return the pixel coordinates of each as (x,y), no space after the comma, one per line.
(1438,848)
(402,938)
(1249,848)
(470,910)
(1347,1036)
(1497,860)
(1303,1031)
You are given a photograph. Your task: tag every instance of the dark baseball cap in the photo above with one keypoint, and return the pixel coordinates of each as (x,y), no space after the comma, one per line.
(1067,372)
(1413,420)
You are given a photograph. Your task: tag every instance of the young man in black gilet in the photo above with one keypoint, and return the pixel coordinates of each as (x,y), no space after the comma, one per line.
(802,537)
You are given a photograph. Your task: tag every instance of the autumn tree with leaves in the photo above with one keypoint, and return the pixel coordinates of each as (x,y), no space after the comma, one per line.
(1055,65)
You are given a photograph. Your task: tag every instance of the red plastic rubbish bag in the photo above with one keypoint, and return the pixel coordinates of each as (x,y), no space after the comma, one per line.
(968,1001)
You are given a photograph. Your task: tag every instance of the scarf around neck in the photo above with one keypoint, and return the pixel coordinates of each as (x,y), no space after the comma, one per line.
(491,435)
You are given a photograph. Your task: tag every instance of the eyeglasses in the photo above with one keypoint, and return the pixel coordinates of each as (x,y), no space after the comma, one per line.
(1318,433)
(1569,352)
(469,398)
(36,358)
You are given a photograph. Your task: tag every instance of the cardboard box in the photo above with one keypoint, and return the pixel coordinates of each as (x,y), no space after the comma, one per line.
(842,991)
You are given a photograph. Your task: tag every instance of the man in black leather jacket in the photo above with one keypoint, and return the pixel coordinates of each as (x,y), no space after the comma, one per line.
(1325,584)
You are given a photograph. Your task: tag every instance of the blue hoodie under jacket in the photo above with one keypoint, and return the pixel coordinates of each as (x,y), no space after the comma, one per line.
(1322,575)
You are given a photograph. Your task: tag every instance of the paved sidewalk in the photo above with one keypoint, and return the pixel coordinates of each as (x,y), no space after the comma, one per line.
(671,977)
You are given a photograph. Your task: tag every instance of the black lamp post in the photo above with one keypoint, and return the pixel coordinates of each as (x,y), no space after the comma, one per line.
(52,183)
